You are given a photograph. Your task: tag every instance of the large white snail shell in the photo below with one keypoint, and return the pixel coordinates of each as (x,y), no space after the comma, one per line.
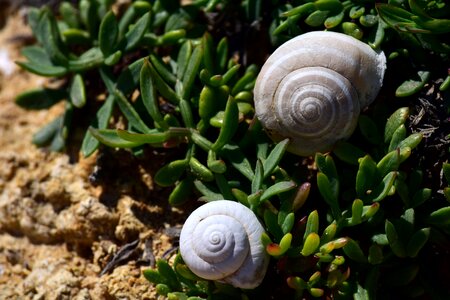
(221,240)
(312,88)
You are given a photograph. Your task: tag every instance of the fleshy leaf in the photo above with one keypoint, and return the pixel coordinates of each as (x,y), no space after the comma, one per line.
(276,189)
(274,157)
(108,33)
(77,91)
(412,86)
(40,98)
(394,121)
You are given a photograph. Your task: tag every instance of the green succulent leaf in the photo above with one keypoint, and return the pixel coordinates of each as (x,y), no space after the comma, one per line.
(48,35)
(296,283)
(301,10)
(209,193)
(222,54)
(238,160)
(382,190)
(149,98)
(285,243)
(311,244)
(301,196)
(398,18)
(352,29)
(162,69)
(180,194)
(445,85)
(163,88)
(46,134)
(77,91)
(90,143)
(274,157)
(130,113)
(277,188)
(89,16)
(417,241)
(90,59)
(271,222)
(153,276)
(431,25)
(171,172)
(357,211)
(312,224)
(326,190)
(40,63)
(288,223)
(40,98)
(326,165)
(328,233)
(446,171)
(240,196)
(183,58)
(397,246)
(108,33)
(136,33)
(208,104)
(394,121)
(250,76)
(258,178)
(73,36)
(353,250)
(398,136)
(411,141)
(317,18)
(420,197)
(110,138)
(153,136)
(390,162)
(440,216)
(191,72)
(169,274)
(128,79)
(184,271)
(200,171)
(334,20)
(186,114)
(367,176)
(230,124)
(43,70)
(413,86)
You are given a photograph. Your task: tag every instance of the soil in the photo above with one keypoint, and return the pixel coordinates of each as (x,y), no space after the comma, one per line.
(77,228)
(71,230)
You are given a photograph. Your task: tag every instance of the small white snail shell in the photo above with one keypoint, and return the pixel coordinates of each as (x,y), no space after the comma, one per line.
(221,240)
(312,88)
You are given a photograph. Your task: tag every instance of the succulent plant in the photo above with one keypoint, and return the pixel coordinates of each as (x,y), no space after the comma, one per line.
(358,221)
(411,29)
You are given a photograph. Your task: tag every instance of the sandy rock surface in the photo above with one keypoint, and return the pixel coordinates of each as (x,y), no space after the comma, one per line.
(57,230)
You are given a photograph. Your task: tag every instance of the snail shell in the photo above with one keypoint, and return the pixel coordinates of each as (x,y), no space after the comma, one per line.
(221,240)
(312,88)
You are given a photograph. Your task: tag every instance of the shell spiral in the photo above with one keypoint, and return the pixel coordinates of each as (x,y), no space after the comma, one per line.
(312,88)
(221,240)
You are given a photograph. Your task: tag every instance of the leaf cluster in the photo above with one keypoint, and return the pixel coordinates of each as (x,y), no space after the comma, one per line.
(156,77)
(407,31)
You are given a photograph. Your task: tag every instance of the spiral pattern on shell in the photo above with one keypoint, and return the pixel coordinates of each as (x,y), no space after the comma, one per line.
(312,88)
(221,240)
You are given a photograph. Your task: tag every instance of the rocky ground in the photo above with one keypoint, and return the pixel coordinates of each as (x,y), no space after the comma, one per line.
(68,228)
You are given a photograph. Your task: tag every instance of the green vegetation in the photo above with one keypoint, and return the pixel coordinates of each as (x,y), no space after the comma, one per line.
(359,222)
